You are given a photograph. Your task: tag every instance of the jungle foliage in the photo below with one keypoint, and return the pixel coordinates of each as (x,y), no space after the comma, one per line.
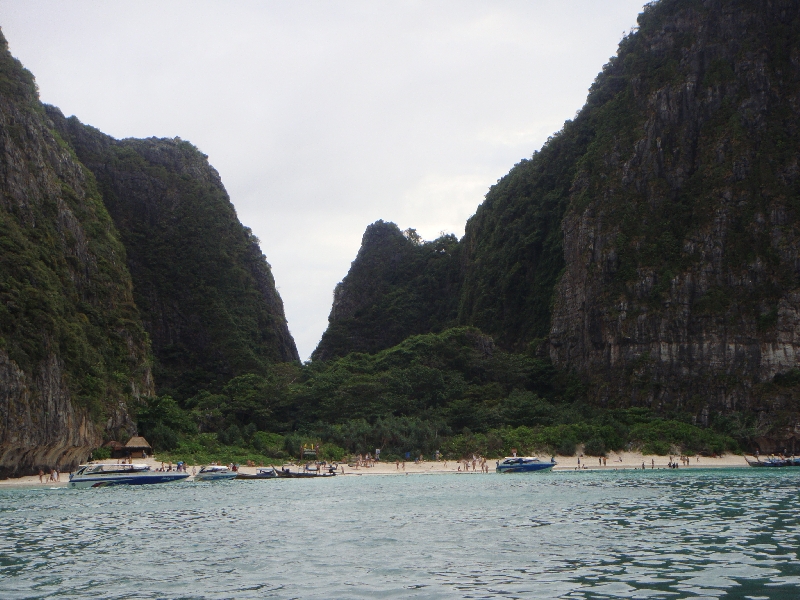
(204,289)
(454,391)
(398,286)
(65,292)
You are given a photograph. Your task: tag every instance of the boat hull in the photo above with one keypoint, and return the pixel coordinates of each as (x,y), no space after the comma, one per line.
(147,478)
(774,462)
(301,475)
(271,475)
(531,468)
(215,476)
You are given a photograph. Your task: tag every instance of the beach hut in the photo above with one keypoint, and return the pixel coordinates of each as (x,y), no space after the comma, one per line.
(137,447)
(117,449)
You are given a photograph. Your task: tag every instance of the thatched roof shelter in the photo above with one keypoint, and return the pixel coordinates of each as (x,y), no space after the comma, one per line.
(137,442)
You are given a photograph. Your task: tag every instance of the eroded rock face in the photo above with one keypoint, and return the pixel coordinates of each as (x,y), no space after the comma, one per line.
(682,279)
(205,291)
(73,352)
(396,287)
(42,428)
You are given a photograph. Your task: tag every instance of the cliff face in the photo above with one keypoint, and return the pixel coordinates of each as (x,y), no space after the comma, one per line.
(681,284)
(651,246)
(73,352)
(206,292)
(397,286)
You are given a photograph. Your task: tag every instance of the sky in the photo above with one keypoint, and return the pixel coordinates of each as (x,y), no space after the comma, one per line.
(325,116)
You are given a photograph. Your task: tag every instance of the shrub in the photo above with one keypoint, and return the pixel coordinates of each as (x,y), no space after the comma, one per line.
(268,444)
(232,436)
(659,447)
(331,452)
(566,447)
(248,431)
(101,454)
(163,438)
(595,447)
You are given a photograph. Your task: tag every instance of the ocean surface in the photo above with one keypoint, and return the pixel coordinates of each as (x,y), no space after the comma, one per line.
(652,534)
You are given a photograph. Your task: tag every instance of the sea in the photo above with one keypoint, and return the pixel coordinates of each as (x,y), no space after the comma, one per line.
(716,533)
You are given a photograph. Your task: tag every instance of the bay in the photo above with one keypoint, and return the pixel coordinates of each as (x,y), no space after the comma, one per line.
(633,534)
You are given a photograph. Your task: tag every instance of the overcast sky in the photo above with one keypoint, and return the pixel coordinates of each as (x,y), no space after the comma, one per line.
(324,116)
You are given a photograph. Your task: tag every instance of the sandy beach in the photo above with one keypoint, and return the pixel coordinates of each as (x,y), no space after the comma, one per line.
(614,462)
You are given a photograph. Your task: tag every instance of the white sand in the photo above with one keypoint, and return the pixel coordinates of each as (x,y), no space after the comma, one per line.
(614,461)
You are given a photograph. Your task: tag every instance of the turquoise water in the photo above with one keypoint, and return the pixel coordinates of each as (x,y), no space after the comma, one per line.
(662,534)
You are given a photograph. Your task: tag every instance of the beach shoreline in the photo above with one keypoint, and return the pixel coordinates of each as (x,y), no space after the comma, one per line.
(622,461)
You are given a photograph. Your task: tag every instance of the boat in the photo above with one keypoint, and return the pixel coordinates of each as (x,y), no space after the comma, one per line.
(263,473)
(102,475)
(524,464)
(773,461)
(215,473)
(304,474)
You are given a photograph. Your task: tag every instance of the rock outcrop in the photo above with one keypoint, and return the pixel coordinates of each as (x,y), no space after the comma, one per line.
(652,246)
(396,287)
(206,292)
(73,353)
(103,242)
(681,286)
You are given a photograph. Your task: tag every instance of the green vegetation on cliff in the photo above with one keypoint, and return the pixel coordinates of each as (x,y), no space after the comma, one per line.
(454,391)
(103,242)
(398,285)
(205,290)
(67,316)
(650,247)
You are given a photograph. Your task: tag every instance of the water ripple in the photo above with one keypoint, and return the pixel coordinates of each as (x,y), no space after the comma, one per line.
(690,534)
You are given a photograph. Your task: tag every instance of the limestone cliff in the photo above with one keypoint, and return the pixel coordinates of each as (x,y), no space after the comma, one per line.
(397,286)
(653,245)
(73,352)
(681,245)
(206,292)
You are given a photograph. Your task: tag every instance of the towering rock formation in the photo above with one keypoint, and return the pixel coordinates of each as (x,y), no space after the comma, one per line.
(104,242)
(73,353)
(205,290)
(681,243)
(653,244)
(397,286)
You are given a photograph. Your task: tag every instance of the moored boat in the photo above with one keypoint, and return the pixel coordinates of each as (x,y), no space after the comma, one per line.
(523,464)
(214,473)
(773,461)
(102,475)
(262,473)
(305,474)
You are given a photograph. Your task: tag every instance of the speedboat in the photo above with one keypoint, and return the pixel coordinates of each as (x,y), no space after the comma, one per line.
(262,473)
(214,473)
(524,464)
(101,475)
(773,461)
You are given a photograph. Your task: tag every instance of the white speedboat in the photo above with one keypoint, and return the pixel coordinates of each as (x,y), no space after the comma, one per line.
(524,464)
(214,473)
(101,475)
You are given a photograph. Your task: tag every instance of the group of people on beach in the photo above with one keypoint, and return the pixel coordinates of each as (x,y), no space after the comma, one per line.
(477,461)
(365,460)
(54,476)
